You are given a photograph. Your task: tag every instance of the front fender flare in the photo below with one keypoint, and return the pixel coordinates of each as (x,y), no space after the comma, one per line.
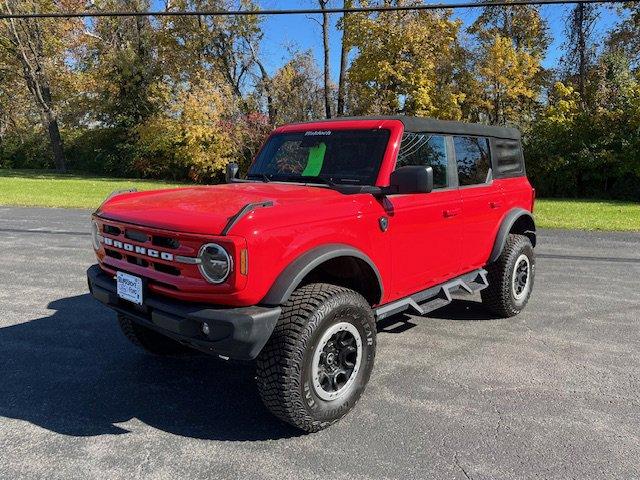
(294,273)
(507,223)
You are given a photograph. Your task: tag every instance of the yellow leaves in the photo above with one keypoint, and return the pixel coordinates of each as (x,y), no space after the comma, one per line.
(296,91)
(507,79)
(564,105)
(195,132)
(405,63)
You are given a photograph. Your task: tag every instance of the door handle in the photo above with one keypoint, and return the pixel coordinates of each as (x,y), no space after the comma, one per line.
(495,204)
(451,212)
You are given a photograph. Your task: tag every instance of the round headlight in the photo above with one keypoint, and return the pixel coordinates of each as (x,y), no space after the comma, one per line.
(215,263)
(95,235)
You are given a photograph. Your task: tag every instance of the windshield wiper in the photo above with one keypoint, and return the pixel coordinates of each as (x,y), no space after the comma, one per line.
(265,178)
(325,180)
(296,178)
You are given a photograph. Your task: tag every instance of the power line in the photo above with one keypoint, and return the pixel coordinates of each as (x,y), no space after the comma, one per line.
(306,11)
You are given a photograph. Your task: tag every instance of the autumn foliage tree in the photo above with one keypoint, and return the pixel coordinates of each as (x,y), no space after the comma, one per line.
(298,93)
(510,44)
(406,62)
(506,81)
(36,49)
(193,136)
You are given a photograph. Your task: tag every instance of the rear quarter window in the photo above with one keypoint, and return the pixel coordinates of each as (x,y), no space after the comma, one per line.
(508,160)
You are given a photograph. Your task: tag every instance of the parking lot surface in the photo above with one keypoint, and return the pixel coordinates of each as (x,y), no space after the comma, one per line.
(551,393)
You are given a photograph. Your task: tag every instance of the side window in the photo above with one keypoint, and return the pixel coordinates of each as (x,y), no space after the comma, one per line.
(428,150)
(472,156)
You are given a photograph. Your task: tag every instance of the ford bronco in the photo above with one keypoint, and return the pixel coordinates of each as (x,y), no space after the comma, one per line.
(338,223)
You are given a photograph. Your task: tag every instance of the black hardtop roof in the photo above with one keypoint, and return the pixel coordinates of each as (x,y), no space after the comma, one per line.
(433,125)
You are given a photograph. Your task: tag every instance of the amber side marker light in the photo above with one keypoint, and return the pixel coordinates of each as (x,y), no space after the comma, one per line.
(244,268)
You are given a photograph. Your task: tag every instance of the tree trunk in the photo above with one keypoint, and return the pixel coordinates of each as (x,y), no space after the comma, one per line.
(325,41)
(51,124)
(582,60)
(344,58)
(39,88)
(266,82)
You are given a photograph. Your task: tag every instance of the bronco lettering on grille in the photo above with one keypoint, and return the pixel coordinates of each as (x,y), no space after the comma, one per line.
(149,252)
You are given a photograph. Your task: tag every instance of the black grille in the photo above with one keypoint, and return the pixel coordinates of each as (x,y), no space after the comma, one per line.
(161,267)
(141,262)
(111,230)
(165,242)
(136,235)
(113,253)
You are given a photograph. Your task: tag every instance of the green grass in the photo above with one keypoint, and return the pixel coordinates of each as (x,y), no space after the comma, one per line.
(587,214)
(46,189)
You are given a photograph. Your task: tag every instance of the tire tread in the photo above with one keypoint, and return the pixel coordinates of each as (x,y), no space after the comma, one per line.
(497,296)
(279,363)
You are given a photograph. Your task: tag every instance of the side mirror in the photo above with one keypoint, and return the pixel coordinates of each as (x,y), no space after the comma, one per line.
(231,172)
(411,179)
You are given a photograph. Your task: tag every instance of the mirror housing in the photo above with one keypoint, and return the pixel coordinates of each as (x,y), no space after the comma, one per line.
(231,172)
(411,179)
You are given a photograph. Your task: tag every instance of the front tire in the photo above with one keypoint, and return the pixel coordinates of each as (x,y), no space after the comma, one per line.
(150,340)
(510,278)
(319,358)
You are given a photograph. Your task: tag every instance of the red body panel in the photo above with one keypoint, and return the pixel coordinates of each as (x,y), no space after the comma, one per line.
(430,237)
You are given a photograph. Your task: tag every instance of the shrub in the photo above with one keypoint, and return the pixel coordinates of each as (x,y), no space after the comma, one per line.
(25,150)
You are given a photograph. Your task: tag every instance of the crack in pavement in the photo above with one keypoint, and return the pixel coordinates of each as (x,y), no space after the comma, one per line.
(459,465)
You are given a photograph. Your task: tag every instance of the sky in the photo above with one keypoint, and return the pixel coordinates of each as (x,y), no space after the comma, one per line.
(283,33)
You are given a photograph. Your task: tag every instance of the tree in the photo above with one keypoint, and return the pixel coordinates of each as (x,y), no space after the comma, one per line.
(325,45)
(625,36)
(345,47)
(506,81)
(122,56)
(194,135)
(218,45)
(37,48)
(510,45)
(406,62)
(522,24)
(297,93)
(580,45)
(265,83)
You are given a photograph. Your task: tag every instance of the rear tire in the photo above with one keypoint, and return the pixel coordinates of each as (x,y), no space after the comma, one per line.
(319,358)
(150,340)
(510,278)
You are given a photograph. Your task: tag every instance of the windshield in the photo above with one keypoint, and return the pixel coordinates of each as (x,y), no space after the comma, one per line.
(322,156)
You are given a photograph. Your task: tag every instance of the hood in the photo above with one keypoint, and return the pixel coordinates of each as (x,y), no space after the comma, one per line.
(204,210)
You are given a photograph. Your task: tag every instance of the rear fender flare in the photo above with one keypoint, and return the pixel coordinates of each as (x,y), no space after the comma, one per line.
(505,228)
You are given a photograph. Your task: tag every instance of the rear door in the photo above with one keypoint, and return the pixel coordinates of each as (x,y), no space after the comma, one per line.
(425,228)
(482,200)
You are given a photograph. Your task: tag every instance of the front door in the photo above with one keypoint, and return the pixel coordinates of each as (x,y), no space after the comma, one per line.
(424,228)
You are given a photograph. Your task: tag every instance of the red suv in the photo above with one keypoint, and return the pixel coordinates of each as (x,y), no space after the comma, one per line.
(337,224)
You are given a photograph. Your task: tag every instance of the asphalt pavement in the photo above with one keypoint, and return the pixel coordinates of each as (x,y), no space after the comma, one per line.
(551,393)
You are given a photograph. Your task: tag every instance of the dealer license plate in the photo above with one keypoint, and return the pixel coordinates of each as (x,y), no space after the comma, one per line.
(129,287)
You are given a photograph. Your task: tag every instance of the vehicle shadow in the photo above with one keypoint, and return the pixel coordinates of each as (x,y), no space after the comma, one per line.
(462,310)
(74,373)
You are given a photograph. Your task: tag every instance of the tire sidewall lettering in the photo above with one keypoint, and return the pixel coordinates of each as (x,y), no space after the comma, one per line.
(332,311)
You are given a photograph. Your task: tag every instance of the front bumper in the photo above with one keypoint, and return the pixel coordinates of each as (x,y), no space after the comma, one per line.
(237,333)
